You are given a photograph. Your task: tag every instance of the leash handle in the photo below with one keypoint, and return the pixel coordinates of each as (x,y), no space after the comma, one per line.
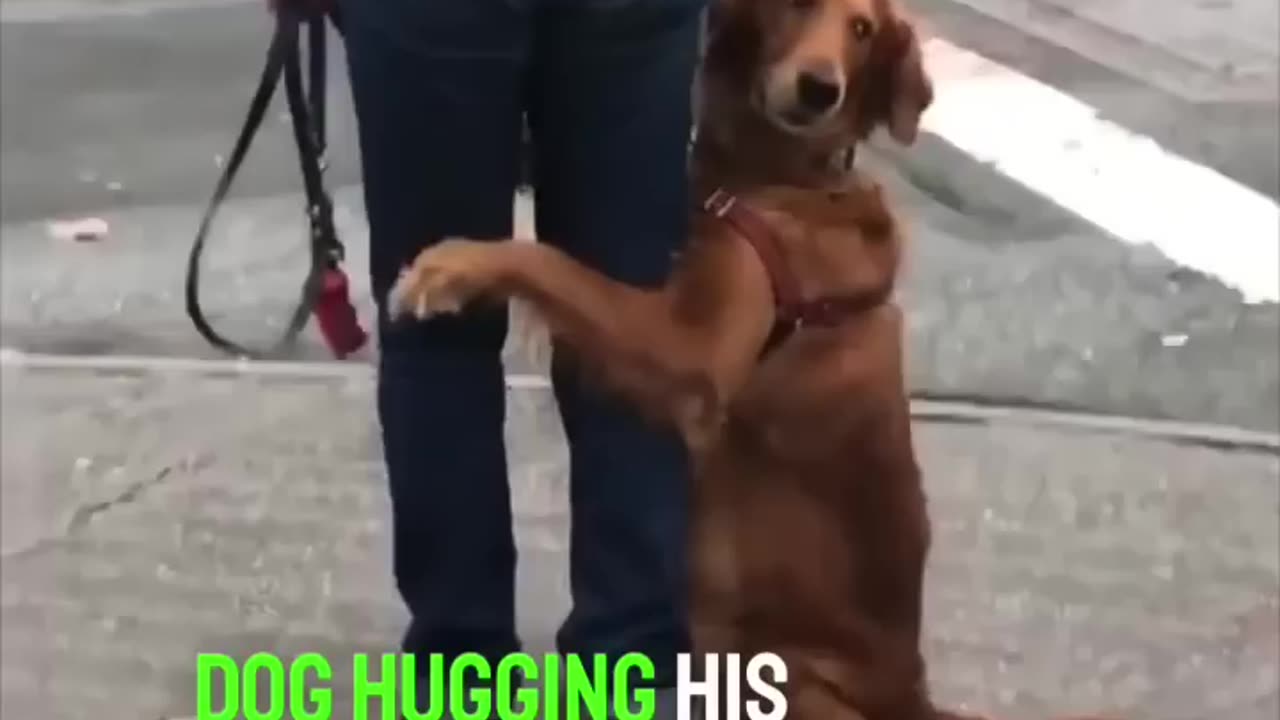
(331,301)
(335,314)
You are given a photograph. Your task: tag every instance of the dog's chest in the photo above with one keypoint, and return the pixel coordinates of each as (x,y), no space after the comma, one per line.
(768,537)
(798,408)
(782,495)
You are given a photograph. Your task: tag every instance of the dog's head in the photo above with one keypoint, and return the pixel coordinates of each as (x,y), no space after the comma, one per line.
(824,68)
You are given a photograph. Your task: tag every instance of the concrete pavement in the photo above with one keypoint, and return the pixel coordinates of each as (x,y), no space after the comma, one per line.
(152,514)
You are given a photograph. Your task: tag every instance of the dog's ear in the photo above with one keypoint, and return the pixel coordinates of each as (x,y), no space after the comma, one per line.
(732,38)
(897,89)
(714,14)
(719,11)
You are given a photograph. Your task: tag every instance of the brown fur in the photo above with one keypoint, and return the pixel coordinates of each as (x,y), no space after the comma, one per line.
(809,526)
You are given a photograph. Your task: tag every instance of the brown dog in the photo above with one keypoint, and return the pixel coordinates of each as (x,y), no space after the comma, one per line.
(774,348)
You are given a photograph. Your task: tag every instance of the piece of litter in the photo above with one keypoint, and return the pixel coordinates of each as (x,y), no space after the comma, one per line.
(89,229)
(1173,341)
(115,186)
(217,161)
(83,463)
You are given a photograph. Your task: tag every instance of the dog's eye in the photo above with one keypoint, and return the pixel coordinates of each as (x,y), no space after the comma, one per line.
(861,28)
(803,4)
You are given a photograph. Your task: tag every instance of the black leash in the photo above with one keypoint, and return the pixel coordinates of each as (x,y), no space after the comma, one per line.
(325,291)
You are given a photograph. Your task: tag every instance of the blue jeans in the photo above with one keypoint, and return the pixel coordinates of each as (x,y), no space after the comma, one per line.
(440,87)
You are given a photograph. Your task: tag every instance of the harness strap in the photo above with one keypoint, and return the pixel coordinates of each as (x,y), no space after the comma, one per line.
(325,290)
(792,310)
(752,228)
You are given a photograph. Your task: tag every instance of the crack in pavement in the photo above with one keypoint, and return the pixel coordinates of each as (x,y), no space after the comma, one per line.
(188,456)
(84,514)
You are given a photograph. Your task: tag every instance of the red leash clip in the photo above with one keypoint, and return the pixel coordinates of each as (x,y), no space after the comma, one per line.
(337,316)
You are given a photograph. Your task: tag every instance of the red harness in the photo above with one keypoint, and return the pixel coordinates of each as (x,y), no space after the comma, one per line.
(793,311)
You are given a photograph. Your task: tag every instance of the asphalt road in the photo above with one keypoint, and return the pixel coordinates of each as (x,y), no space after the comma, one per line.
(124,110)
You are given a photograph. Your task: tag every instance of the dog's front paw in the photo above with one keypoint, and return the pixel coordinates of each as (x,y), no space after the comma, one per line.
(443,279)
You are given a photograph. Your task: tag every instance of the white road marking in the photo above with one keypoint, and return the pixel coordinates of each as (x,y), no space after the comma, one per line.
(1123,182)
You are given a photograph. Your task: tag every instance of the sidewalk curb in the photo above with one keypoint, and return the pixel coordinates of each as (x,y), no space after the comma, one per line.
(1221,437)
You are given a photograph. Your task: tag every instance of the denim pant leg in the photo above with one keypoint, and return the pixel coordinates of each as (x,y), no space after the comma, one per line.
(437,88)
(610,113)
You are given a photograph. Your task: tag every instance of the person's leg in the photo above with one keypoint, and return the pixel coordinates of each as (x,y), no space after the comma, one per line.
(610,114)
(437,88)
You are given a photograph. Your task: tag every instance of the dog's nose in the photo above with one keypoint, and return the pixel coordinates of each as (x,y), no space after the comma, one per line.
(818,88)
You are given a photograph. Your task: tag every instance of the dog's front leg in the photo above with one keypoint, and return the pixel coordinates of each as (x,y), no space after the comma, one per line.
(674,362)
